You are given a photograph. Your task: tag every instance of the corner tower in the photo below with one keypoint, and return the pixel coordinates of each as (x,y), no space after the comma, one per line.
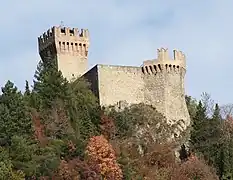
(68,48)
(164,86)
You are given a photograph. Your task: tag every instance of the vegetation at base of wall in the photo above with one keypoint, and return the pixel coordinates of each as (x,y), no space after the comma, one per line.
(57,130)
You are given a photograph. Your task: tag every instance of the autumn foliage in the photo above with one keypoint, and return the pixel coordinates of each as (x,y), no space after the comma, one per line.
(100,152)
(194,169)
(67,171)
(58,131)
(158,162)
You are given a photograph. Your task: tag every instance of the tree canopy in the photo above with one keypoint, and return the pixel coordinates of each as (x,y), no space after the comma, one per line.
(56,129)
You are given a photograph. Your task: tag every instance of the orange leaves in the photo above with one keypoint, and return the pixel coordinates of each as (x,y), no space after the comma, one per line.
(100,152)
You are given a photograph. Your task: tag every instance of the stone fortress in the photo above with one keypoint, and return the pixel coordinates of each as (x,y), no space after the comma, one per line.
(158,82)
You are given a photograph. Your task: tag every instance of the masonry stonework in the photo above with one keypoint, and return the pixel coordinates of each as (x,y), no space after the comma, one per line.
(164,85)
(68,47)
(158,82)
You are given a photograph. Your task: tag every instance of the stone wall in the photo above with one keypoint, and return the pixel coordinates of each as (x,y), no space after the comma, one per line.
(154,91)
(159,82)
(71,66)
(176,108)
(163,89)
(120,83)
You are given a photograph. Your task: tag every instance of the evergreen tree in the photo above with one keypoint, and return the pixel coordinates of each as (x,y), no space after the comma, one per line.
(215,125)
(224,157)
(6,167)
(27,96)
(206,139)
(198,133)
(83,110)
(27,89)
(49,84)
(49,97)
(13,116)
(68,110)
(214,136)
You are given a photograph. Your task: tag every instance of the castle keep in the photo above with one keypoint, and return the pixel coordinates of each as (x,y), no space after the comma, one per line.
(158,82)
(69,47)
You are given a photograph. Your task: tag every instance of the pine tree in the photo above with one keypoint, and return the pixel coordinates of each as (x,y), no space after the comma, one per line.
(49,84)
(27,96)
(27,89)
(224,157)
(68,110)
(215,125)
(13,116)
(214,136)
(7,170)
(83,109)
(198,133)
(206,138)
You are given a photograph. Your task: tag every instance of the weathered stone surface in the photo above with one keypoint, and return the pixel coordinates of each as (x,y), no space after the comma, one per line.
(158,82)
(68,47)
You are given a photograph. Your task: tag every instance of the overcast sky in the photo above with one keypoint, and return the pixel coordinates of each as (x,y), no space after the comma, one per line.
(126,33)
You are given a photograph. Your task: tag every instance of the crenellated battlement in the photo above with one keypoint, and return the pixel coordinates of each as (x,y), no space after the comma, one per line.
(161,68)
(162,55)
(64,32)
(66,39)
(180,58)
(164,62)
(68,47)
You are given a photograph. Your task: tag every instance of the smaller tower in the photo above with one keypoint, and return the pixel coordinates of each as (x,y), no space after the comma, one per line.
(68,48)
(164,86)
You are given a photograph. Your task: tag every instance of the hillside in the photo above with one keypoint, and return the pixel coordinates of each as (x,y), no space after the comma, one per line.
(56,130)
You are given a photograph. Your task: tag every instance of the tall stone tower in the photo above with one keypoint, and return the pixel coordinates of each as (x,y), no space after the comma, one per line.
(68,48)
(164,82)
